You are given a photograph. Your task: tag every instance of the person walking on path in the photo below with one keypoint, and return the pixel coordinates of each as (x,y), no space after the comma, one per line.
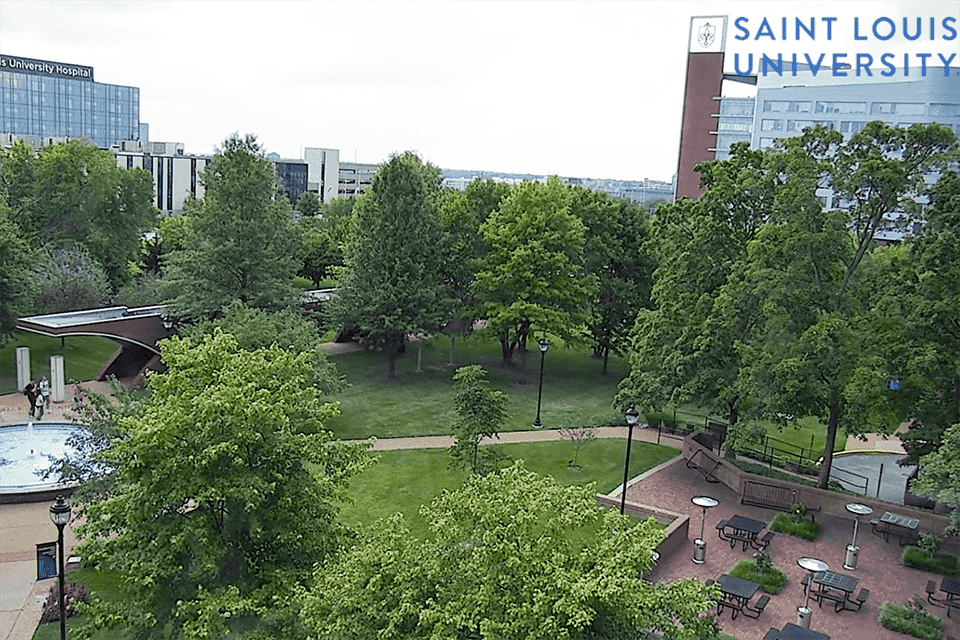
(31,392)
(38,403)
(44,385)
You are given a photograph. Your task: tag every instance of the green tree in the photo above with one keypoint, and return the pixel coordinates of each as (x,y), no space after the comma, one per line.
(391,286)
(258,329)
(481,412)
(684,347)
(18,176)
(533,275)
(318,250)
(616,231)
(308,205)
(223,496)
(461,214)
(808,348)
(242,242)
(69,279)
(82,197)
(16,282)
(928,346)
(939,477)
(510,557)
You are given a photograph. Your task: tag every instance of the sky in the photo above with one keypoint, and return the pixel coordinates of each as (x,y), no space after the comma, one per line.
(579,89)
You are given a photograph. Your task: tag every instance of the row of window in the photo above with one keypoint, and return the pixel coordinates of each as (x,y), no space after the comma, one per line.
(873,108)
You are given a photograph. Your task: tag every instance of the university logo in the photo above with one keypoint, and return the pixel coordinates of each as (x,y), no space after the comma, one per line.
(706,35)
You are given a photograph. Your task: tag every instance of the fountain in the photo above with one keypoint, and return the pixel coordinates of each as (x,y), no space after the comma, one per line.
(26,451)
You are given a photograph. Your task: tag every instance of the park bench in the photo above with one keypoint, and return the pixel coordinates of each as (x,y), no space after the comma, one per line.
(770,496)
(705,464)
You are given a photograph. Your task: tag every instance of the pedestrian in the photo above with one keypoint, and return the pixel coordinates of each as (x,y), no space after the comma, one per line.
(38,408)
(45,391)
(31,392)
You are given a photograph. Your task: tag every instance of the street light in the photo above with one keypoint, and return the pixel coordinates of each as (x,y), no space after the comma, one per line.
(632,416)
(544,345)
(60,514)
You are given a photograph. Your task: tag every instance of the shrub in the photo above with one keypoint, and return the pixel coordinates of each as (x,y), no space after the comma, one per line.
(917,558)
(793,525)
(910,619)
(51,608)
(762,571)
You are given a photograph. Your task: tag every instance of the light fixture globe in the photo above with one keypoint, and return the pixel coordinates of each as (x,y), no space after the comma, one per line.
(632,416)
(544,345)
(60,512)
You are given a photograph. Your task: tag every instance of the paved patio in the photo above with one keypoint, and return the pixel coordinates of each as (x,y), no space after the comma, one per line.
(878,569)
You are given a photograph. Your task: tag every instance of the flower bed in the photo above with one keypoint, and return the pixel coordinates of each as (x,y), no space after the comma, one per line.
(762,571)
(794,525)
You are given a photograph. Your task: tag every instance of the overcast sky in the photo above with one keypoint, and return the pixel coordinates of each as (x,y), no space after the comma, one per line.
(582,89)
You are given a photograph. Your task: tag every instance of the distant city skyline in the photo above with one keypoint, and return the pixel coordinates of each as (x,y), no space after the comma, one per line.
(581,89)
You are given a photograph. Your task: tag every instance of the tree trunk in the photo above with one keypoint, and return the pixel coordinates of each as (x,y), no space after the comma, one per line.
(824,477)
(420,356)
(453,346)
(522,347)
(606,358)
(506,349)
(391,362)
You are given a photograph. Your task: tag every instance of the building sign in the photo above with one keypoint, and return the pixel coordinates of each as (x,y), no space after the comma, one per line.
(46,560)
(707,34)
(46,68)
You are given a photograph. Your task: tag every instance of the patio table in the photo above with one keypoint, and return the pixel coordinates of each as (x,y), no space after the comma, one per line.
(793,632)
(903,527)
(831,582)
(742,529)
(736,593)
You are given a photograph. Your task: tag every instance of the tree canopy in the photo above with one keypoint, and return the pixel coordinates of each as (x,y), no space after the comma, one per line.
(224,494)
(507,559)
(242,244)
(532,277)
(391,286)
(16,283)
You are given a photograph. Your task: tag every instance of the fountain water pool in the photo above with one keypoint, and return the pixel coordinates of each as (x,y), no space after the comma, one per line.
(28,450)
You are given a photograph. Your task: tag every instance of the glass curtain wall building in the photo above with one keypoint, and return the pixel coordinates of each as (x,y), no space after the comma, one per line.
(57,100)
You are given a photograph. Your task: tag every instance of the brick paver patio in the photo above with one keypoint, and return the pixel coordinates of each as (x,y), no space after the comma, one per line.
(878,568)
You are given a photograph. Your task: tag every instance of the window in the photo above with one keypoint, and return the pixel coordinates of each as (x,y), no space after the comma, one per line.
(897,108)
(949,110)
(842,107)
(786,106)
(771,125)
(734,125)
(730,107)
(766,142)
(799,125)
(851,127)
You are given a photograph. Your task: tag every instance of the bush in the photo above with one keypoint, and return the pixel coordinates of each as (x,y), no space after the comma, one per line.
(762,571)
(794,525)
(943,563)
(910,619)
(51,608)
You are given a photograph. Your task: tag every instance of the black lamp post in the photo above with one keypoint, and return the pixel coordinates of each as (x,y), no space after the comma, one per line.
(632,417)
(60,514)
(544,345)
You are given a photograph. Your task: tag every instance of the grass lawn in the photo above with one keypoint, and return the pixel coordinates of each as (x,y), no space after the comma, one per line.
(402,481)
(574,390)
(101,583)
(83,357)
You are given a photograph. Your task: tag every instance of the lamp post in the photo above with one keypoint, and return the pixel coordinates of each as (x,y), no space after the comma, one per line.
(544,345)
(700,545)
(60,514)
(632,416)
